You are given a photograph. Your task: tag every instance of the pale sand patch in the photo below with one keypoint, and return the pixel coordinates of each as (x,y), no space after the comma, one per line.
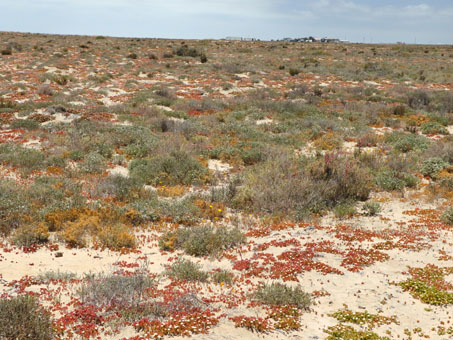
(216,165)
(62,118)
(76,103)
(119,170)
(165,108)
(264,121)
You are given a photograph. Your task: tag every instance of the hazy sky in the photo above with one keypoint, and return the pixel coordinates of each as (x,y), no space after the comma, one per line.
(425,21)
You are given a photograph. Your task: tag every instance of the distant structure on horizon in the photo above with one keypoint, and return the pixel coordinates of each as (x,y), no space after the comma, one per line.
(240,39)
(313,39)
(305,39)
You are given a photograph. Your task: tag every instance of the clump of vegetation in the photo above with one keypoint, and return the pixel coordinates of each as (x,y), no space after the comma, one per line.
(58,275)
(22,318)
(114,289)
(186,270)
(343,332)
(186,51)
(344,210)
(283,185)
(201,240)
(176,168)
(222,277)
(428,285)
(432,166)
(29,235)
(363,318)
(405,142)
(447,216)
(371,208)
(418,99)
(433,128)
(117,236)
(280,294)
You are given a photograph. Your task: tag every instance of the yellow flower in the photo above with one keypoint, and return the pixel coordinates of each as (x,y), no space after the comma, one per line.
(221,284)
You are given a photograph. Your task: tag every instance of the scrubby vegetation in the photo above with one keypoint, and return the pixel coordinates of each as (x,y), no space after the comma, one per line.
(241,174)
(23,318)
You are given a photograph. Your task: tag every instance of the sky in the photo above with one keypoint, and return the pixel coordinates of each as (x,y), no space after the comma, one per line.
(370,21)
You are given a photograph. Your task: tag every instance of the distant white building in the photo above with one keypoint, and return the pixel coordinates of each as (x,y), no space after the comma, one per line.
(240,39)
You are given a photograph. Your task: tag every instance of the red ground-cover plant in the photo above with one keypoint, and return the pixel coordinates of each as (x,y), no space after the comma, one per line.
(252,323)
(182,324)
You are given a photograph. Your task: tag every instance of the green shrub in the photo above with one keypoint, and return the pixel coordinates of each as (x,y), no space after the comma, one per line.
(344,210)
(186,51)
(343,332)
(223,276)
(433,128)
(371,208)
(93,163)
(173,169)
(433,165)
(26,124)
(202,240)
(392,180)
(14,155)
(282,185)
(280,294)
(186,270)
(22,318)
(405,142)
(13,206)
(294,71)
(122,188)
(27,236)
(418,99)
(447,216)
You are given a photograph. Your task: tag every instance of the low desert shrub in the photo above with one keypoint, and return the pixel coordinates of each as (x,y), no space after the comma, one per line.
(186,51)
(202,240)
(418,99)
(121,187)
(222,277)
(405,142)
(282,185)
(115,290)
(26,124)
(280,294)
(22,318)
(14,155)
(447,216)
(173,169)
(93,163)
(433,165)
(14,206)
(186,270)
(294,71)
(182,211)
(117,236)
(433,128)
(371,208)
(58,275)
(344,210)
(29,235)
(392,180)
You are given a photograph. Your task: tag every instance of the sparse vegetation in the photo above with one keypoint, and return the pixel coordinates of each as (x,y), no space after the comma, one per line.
(280,294)
(22,318)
